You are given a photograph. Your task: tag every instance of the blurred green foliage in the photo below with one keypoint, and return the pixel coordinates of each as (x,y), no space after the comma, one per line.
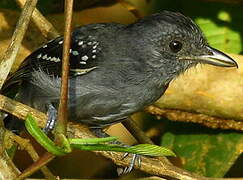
(208,152)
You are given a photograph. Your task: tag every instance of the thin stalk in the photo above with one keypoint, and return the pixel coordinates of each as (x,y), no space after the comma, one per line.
(61,127)
(45,159)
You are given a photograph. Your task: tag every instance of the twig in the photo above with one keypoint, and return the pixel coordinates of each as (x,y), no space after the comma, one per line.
(209,121)
(8,169)
(8,59)
(61,126)
(133,128)
(46,158)
(46,28)
(150,165)
(25,144)
(20,110)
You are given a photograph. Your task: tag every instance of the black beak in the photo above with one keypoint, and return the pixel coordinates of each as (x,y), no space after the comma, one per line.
(214,57)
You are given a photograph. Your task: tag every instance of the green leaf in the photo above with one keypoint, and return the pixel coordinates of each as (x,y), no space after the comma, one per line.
(42,138)
(90,144)
(141,149)
(91,140)
(204,151)
(151,150)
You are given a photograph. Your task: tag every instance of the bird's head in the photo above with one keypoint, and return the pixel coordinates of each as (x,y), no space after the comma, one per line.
(177,43)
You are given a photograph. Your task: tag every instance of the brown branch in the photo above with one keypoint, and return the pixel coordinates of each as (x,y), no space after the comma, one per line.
(46,28)
(150,165)
(46,158)
(7,168)
(61,126)
(8,59)
(133,128)
(212,122)
(25,144)
(20,110)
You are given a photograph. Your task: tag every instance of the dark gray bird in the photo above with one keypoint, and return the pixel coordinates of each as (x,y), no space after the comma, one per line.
(115,69)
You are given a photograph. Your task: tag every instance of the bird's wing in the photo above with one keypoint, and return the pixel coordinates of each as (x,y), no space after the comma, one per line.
(84,57)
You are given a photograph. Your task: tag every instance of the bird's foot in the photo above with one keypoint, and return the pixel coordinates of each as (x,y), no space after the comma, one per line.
(125,170)
(51,121)
(134,157)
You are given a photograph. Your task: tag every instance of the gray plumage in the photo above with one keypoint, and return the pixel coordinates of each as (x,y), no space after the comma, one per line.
(129,67)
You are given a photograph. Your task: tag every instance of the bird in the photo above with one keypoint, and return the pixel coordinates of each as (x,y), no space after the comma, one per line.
(115,69)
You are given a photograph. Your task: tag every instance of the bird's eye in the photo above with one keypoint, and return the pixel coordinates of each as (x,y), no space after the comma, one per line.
(175,46)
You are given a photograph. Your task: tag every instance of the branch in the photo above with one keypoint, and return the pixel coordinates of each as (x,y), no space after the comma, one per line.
(211,122)
(18,35)
(61,126)
(45,27)
(159,167)
(25,144)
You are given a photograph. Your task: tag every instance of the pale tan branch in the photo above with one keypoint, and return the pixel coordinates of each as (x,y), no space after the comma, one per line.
(209,121)
(159,167)
(45,27)
(8,59)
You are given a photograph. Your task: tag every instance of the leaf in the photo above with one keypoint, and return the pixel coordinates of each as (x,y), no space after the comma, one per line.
(90,144)
(42,138)
(152,150)
(91,140)
(204,151)
(141,149)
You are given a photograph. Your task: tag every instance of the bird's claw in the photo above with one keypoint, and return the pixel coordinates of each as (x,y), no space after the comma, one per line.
(51,121)
(135,157)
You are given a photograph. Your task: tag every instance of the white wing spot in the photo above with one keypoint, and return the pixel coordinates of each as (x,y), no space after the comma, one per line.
(94,47)
(94,56)
(85,58)
(80,43)
(82,62)
(39,56)
(44,57)
(94,51)
(55,59)
(75,53)
(70,51)
(60,42)
(89,43)
(44,46)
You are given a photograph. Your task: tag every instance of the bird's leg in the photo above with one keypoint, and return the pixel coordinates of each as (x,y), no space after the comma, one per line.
(52,117)
(135,157)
